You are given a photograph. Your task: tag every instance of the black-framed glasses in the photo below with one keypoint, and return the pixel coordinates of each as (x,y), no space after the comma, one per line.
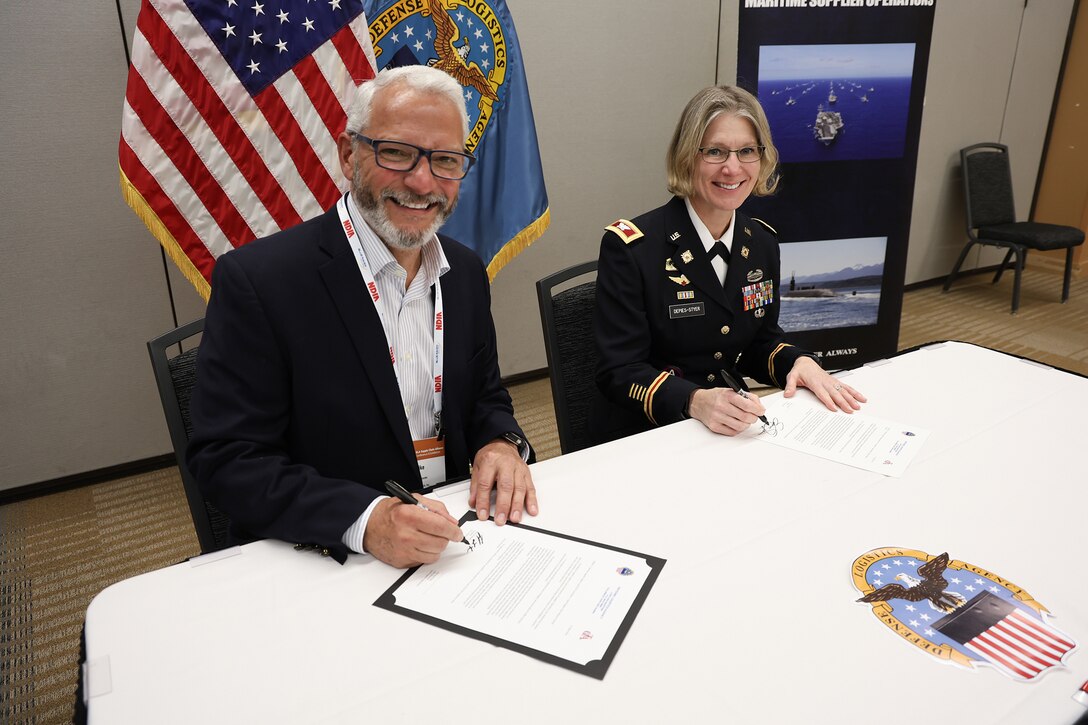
(746,155)
(400,156)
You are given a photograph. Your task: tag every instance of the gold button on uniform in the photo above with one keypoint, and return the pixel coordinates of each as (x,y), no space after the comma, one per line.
(710,378)
(717,356)
(725,329)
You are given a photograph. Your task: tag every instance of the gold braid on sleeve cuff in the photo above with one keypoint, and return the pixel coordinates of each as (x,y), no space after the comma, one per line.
(648,404)
(770,362)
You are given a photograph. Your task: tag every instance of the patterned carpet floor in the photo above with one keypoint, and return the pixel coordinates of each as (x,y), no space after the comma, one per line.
(58,551)
(975,311)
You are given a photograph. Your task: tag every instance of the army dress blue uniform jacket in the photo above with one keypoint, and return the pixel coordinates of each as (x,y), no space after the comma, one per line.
(665,326)
(297,416)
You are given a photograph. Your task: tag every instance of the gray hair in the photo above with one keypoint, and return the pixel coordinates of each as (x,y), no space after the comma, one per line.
(421,78)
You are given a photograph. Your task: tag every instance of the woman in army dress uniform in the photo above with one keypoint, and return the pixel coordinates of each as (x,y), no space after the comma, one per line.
(691,289)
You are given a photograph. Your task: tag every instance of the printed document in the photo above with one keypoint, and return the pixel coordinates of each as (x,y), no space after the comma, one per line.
(561,599)
(855,439)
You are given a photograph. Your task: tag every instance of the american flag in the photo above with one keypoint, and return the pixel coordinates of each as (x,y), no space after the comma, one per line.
(230,118)
(1001,633)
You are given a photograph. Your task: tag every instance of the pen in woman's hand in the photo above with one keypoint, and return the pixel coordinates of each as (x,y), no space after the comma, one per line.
(401,493)
(732,383)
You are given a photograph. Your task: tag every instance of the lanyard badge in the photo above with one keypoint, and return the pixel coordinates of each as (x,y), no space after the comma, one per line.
(431,445)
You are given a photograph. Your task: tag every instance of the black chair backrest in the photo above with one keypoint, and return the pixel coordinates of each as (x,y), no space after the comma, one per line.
(987,185)
(175,377)
(567,319)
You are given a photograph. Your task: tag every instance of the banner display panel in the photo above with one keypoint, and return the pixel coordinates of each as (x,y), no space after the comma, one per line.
(843,85)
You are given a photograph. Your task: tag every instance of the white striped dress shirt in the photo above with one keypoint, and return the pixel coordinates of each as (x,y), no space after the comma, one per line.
(408,316)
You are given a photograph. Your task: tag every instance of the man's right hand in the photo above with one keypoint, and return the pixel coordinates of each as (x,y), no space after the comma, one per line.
(402,535)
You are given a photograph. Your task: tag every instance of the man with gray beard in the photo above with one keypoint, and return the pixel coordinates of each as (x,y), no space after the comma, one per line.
(358,347)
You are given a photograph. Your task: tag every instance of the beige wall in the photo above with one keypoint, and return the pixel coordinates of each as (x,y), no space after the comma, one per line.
(993,70)
(81,289)
(602,130)
(82,286)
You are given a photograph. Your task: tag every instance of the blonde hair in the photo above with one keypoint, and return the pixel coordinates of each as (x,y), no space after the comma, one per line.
(701,110)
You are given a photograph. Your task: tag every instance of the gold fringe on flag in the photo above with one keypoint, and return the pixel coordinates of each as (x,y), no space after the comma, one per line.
(517,245)
(158,230)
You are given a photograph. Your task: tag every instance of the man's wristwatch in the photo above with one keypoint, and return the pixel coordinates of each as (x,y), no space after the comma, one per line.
(520,443)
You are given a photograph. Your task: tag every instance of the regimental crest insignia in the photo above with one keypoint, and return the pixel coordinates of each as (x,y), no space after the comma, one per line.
(960,613)
(626,230)
(464,39)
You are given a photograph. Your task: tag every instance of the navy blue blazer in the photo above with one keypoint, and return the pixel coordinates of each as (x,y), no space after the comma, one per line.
(297,417)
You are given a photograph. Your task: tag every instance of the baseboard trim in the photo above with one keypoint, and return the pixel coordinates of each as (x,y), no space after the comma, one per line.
(1055,263)
(526,377)
(962,273)
(79,480)
(1040,262)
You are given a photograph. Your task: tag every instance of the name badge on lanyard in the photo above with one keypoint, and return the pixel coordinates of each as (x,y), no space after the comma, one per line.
(430,452)
(431,458)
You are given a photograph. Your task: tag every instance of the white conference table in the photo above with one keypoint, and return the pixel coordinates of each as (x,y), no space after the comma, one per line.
(753,618)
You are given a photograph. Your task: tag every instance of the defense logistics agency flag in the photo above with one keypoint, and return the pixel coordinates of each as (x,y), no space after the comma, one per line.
(503,205)
(231,116)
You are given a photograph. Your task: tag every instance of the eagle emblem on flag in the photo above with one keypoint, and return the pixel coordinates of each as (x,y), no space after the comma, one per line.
(476,58)
(503,203)
(960,613)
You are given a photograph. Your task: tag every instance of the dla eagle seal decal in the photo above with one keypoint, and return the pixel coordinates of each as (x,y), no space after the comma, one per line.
(464,38)
(960,613)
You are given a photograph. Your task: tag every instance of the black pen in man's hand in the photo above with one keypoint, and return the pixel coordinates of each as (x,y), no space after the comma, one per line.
(400,492)
(732,383)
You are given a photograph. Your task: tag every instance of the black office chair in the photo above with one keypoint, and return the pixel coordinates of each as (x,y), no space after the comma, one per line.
(567,319)
(175,377)
(991,217)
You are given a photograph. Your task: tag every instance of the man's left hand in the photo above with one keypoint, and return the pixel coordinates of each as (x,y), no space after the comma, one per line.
(498,466)
(833,393)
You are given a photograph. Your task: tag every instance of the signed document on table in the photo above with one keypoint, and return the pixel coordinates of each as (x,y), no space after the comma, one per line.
(564,600)
(858,440)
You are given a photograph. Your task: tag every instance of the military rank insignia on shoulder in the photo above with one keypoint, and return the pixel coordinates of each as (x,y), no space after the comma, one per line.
(769,228)
(960,613)
(626,230)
